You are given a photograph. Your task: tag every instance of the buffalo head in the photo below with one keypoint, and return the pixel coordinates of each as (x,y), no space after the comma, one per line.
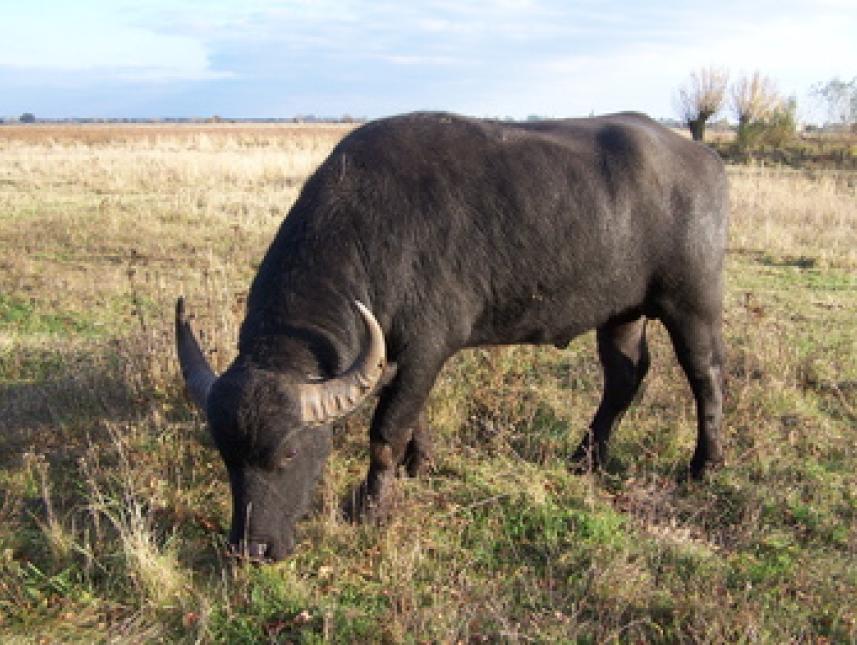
(272,431)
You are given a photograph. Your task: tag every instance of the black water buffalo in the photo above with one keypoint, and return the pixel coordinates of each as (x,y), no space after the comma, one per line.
(426,233)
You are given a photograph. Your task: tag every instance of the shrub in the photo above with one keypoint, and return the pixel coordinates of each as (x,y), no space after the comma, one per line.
(776,129)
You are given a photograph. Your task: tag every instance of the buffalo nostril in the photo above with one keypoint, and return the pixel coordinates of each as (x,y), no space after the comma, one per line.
(257,550)
(249,551)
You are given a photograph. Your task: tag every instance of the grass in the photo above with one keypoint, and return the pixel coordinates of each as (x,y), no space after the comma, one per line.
(113,502)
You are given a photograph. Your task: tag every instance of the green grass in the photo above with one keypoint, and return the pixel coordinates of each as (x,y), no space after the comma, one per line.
(114,504)
(22,317)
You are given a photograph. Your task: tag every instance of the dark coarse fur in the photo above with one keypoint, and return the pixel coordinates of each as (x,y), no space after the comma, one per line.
(457,232)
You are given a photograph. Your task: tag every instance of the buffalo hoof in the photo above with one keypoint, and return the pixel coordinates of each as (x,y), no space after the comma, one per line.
(585,460)
(360,506)
(698,471)
(418,458)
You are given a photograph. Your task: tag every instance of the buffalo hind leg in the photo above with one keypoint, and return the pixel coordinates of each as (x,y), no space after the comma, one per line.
(699,347)
(624,357)
(398,436)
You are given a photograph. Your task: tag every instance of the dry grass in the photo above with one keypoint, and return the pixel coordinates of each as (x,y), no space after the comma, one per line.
(792,214)
(113,503)
(248,135)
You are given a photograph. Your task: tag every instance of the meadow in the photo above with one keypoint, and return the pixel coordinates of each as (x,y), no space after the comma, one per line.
(114,503)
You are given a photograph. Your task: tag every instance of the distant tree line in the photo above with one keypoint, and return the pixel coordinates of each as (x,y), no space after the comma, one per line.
(763,114)
(29,117)
(753,99)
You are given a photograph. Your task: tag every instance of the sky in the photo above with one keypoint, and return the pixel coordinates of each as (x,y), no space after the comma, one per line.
(281,58)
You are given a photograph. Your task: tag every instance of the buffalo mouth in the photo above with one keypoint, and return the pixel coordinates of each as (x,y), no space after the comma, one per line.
(259,551)
(257,545)
(249,552)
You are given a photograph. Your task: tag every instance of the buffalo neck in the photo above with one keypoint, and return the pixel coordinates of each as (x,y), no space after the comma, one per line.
(300,309)
(298,322)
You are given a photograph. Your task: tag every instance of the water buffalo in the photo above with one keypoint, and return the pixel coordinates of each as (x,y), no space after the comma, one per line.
(426,233)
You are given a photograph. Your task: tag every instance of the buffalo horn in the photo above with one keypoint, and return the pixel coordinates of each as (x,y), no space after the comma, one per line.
(198,375)
(325,401)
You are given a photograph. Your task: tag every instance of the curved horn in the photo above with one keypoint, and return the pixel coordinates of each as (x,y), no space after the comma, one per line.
(197,373)
(327,400)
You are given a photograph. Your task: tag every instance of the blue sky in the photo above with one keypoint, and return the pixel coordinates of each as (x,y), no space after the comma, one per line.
(268,58)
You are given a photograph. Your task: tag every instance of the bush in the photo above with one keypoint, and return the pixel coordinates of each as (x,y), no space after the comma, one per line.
(776,130)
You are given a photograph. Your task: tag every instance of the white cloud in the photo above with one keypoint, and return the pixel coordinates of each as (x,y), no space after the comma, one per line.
(89,41)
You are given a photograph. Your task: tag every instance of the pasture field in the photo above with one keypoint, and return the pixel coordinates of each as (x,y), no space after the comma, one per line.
(114,503)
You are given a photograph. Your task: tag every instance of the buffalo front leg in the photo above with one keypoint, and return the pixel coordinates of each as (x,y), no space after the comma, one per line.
(398,436)
(418,453)
(624,358)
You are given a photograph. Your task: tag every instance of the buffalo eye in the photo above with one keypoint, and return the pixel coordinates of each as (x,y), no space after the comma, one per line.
(287,456)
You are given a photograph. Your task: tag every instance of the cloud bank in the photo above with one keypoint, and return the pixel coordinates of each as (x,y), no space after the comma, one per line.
(504,57)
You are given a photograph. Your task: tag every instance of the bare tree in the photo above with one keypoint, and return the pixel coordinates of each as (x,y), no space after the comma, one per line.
(840,98)
(754,98)
(700,97)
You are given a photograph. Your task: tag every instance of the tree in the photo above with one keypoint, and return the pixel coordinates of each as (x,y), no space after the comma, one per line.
(700,97)
(27,117)
(841,99)
(754,98)
(756,102)
(765,117)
